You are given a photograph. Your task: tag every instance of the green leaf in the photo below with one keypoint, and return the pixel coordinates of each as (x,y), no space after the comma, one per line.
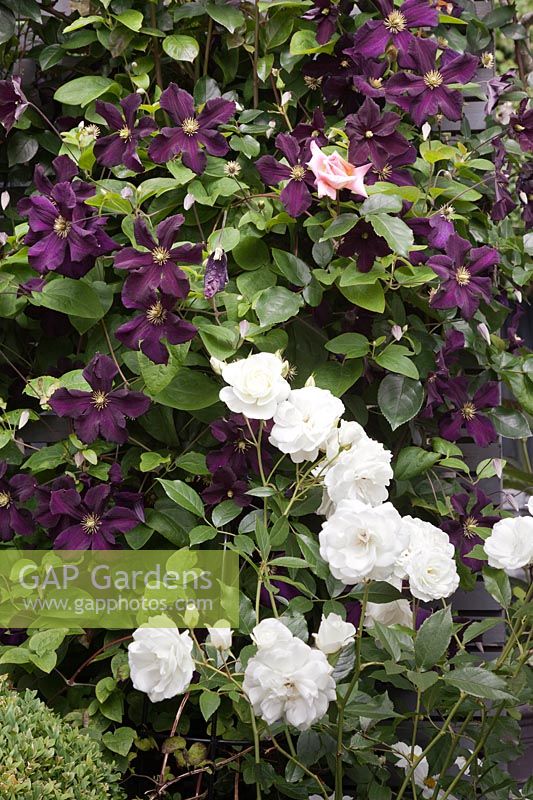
(432,152)
(226,238)
(340,225)
(478,628)
(47,641)
(510,423)
(227,16)
(422,680)
(433,638)
(193,462)
(389,638)
(183,495)
(46,458)
(381,203)
(7,25)
(21,148)
(352,345)
(130,19)
(225,512)
(82,22)
(478,682)
(209,702)
(105,688)
(304,43)
(188,391)
(119,741)
(413,461)
(400,399)
(181,48)
(251,253)
(498,585)
(292,268)
(369,296)
(276,305)
(69,296)
(202,533)
(395,358)
(82,91)
(338,378)
(396,233)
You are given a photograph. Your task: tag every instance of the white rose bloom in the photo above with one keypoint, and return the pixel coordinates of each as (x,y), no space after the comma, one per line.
(333,634)
(291,682)
(361,473)
(220,638)
(408,757)
(161,664)
(510,545)
(398,612)
(362,542)
(270,632)
(303,422)
(256,385)
(420,535)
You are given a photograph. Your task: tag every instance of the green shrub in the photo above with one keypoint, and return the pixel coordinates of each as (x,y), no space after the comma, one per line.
(41,756)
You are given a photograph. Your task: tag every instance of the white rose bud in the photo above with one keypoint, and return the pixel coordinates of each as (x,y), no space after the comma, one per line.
(426,130)
(334,634)
(161,664)
(270,632)
(221,638)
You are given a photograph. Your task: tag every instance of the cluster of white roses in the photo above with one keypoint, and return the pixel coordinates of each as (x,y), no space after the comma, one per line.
(363,537)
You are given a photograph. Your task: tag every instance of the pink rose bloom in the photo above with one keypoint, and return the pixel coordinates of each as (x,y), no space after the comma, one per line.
(333,173)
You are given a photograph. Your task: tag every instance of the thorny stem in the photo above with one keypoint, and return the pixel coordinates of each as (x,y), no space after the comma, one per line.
(172,732)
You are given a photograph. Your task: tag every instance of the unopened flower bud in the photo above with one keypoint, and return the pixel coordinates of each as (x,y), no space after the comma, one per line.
(217,365)
(484,332)
(188,201)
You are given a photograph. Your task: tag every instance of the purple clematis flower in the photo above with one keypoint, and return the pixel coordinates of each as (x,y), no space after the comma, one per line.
(157,268)
(373,133)
(13,492)
(521,126)
(389,168)
(157,322)
(464,276)
(120,147)
(373,38)
(363,242)
(66,171)
(65,236)
(216,273)
(504,202)
(465,412)
(192,130)
(370,83)
(325,13)
(312,131)
(333,75)
(437,382)
(470,514)
(425,91)
(13,102)
(92,523)
(437,228)
(296,196)
(238,450)
(226,486)
(52,523)
(103,410)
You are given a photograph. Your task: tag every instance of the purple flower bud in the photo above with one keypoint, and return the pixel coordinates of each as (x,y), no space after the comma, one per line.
(216,273)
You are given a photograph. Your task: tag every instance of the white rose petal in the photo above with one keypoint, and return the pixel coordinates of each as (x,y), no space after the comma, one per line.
(256,385)
(291,682)
(362,542)
(270,632)
(334,634)
(398,612)
(510,545)
(427,561)
(220,638)
(363,472)
(161,664)
(304,421)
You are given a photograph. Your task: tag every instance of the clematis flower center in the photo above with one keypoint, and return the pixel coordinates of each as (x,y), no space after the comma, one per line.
(124,133)
(160,255)
(232,169)
(241,446)
(376,83)
(369,134)
(229,493)
(156,314)
(297,172)
(433,79)
(469,527)
(395,22)
(99,400)
(325,11)
(312,83)
(468,411)
(345,63)
(90,523)
(5,499)
(385,172)
(190,126)
(462,276)
(62,227)
(447,212)
(430,782)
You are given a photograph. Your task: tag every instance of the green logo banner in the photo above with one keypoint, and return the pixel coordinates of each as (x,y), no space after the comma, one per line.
(118,589)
